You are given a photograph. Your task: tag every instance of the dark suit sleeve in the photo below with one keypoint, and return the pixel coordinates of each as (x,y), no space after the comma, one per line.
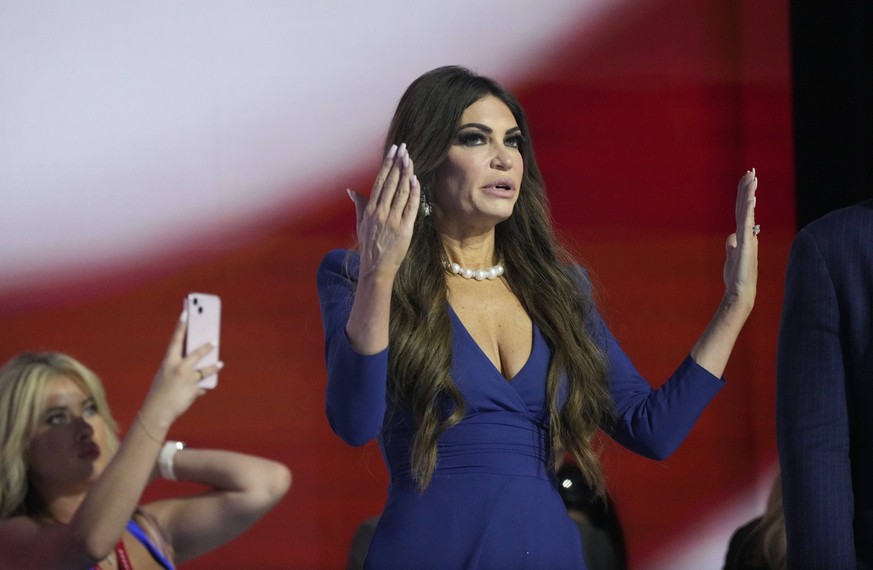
(812,419)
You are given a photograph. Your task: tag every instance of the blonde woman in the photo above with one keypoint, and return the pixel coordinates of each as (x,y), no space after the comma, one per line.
(70,490)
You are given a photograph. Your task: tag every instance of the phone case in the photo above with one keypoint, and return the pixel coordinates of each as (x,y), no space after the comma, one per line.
(204,324)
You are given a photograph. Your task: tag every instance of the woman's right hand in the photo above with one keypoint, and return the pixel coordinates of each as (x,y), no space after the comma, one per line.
(176,383)
(385,221)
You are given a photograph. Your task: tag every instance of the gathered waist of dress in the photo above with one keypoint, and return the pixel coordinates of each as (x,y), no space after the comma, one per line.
(499,443)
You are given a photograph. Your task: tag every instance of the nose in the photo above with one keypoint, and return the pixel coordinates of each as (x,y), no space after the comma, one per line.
(84,430)
(502,159)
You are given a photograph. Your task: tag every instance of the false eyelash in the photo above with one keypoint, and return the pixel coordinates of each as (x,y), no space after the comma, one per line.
(519,140)
(470,137)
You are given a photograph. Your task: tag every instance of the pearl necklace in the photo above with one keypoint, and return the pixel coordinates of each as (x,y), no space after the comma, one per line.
(477,274)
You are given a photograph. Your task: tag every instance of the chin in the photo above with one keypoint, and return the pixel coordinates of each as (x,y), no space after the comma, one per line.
(502,215)
(96,469)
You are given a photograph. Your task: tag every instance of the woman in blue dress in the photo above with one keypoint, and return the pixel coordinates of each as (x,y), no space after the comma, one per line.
(465,338)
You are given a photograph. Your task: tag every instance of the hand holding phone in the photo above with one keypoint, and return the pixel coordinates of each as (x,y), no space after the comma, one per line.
(204,324)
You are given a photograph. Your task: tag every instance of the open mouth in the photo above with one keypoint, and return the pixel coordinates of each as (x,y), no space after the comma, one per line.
(503,187)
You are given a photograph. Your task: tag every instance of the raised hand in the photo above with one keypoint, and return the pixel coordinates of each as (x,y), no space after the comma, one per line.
(713,349)
(175,386)
(741,266)
(385,221)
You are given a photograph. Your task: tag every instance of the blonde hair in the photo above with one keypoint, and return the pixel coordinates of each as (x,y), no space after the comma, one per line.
(772,541)
(23,382)
(766,544)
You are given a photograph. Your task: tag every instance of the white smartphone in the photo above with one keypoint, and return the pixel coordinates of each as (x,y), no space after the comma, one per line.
(204,324)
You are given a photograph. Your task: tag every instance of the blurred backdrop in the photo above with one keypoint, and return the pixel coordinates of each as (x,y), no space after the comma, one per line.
(152,149)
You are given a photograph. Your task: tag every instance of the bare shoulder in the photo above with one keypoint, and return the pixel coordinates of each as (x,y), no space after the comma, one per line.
(16,530)
(28,543)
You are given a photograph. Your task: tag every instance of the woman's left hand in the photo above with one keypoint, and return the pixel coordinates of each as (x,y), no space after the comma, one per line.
(741,266)
(713,349)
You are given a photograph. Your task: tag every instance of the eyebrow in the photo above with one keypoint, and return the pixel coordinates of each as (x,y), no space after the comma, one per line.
(85,402)
(486,128)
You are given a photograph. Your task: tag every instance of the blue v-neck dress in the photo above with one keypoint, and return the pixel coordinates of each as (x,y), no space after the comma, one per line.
(492,502)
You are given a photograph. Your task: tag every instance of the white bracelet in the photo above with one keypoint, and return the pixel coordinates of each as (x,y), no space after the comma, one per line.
(165,459)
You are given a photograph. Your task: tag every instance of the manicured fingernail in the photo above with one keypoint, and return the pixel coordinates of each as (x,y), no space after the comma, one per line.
(349,192)
(402,150)
(392,151)
(184,316)
(415,180)
(219,365)
(406,161)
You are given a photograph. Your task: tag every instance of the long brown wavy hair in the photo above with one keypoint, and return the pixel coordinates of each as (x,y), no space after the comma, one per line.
(543,276)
